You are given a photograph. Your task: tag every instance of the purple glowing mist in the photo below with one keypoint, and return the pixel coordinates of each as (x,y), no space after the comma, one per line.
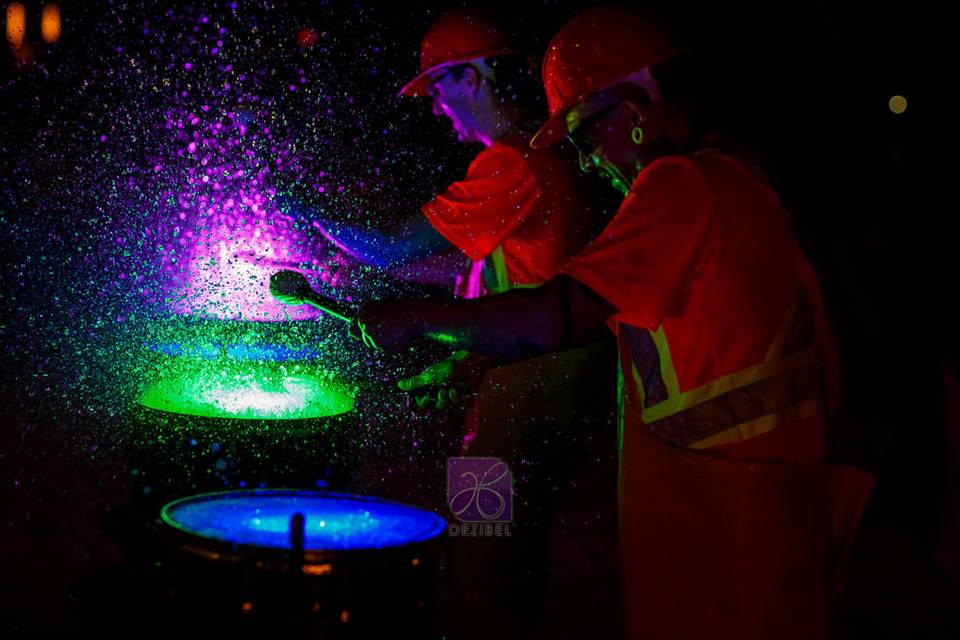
(225,234)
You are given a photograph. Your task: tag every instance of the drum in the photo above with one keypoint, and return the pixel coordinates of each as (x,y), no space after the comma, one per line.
(230,405)
(314,563)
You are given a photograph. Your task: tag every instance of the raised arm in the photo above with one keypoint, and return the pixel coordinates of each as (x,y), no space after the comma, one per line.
(407,242)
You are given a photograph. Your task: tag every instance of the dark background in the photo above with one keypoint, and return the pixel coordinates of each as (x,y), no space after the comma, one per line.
(806,83)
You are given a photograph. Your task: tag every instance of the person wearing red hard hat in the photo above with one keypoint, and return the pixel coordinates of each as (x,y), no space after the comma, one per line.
(518,215)
(732,525)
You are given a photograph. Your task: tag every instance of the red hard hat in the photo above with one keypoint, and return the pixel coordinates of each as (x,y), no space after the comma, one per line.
(591,52)
(455,38)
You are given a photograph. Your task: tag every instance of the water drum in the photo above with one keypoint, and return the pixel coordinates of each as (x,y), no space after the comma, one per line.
(308,562)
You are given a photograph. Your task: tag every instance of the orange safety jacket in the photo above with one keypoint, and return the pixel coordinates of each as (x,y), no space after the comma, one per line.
(795,381)
(731,525)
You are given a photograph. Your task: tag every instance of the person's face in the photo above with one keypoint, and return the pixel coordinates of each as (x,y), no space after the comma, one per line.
(455,96)
(604,143)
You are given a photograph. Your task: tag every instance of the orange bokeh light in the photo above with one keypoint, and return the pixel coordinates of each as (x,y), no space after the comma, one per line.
(50,23)
(16,24)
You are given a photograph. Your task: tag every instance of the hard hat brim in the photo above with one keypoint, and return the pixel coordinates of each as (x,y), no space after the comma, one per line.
(420,85)
(553,131)
(556,128)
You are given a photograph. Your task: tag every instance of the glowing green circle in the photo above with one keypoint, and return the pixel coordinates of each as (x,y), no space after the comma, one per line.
(247,391)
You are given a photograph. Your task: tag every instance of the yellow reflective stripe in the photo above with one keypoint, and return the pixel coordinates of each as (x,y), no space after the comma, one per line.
(501,277)
(676,403)
(667,373)
(634,378)
(502,280)
(760,425)
(620,401)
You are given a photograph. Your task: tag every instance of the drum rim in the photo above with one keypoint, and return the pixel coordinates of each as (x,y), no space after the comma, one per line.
(222,550)
(230,428)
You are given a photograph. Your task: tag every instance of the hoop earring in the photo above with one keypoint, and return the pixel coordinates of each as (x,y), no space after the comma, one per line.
(637,135)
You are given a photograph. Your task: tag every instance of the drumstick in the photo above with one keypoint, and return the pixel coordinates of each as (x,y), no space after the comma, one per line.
(291,287)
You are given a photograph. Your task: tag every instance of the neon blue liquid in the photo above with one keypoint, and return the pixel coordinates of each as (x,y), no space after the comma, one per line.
(332,522)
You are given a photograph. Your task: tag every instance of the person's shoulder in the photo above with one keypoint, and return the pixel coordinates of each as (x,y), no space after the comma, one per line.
(545,163)
(512,145)
(673,175)
(504,155)
(520,143)
(723,154)
(673,165)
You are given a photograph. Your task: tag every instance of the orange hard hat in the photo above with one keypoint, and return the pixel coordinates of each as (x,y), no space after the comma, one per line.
(455,38)
(593,51)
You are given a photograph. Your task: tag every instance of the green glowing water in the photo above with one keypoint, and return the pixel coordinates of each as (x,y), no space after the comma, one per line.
(246,390)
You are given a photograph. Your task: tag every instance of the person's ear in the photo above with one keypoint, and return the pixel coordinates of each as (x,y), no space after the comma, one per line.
(471,77)
(639,115)
(638,112)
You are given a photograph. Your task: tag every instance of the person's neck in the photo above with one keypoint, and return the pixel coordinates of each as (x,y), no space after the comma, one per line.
(495,126)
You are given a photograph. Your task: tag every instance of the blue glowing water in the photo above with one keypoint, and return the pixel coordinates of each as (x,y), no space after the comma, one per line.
(332,522)
(258,352)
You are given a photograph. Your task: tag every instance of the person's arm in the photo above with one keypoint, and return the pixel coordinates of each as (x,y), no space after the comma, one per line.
(406,242)
(511,326)
(414,239)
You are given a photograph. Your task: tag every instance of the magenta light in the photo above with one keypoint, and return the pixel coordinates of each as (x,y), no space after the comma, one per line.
(223,236)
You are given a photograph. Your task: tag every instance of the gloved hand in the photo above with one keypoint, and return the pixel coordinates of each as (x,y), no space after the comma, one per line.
(450,383)
(358,331)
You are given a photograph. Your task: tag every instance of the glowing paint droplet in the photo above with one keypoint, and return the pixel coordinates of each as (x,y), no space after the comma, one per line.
(898,104)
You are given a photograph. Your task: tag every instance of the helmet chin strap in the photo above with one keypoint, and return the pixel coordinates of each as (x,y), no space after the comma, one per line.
(617,180)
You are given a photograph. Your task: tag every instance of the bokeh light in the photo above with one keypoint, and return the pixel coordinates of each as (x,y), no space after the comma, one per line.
(898,104)
(16,24)
(50,23)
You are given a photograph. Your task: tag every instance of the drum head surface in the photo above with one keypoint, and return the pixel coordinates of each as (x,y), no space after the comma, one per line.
(333,522)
